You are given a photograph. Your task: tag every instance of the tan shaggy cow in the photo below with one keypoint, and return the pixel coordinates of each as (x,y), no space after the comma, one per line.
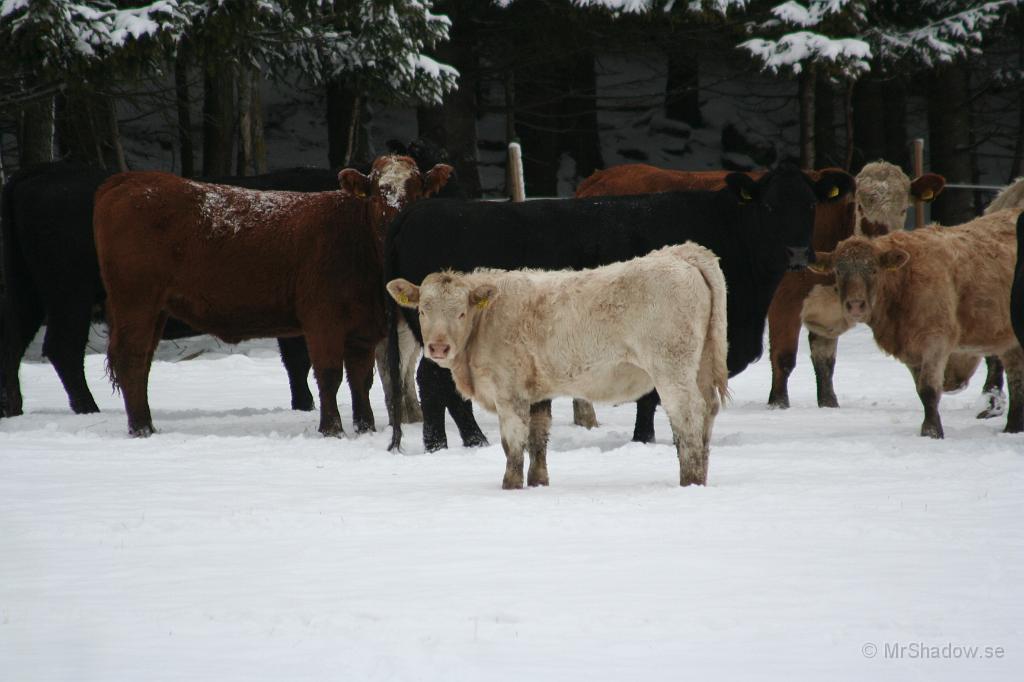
(514,340)
(934,294)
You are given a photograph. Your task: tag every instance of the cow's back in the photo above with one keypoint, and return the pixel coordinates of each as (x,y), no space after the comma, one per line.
(953,284)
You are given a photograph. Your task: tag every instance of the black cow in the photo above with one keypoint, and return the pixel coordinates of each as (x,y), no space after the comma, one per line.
(50,272)
(759,229)
(1017,291)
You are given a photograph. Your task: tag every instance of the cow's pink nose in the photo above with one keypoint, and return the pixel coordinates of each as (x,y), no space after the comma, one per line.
(856,306)
(438,350)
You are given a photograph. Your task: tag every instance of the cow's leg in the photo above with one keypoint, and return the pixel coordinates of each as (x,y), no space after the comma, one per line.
(928,378)
(462,413)
(783,343)
(295,358)
(514,422)
(687,413)
(22,319)
(643,428)
(134,334)
(583,414)
(327,353)
(1013,360)
(409,350)
(540,427)
(995,401)
(359,365)
(67,333)
(431,379)
(823,359)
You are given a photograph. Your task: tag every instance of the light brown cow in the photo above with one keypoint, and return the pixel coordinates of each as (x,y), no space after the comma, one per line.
(884,193)
(515,340)
(931,294)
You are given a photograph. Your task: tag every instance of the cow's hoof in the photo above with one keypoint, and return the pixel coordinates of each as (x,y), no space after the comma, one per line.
(365,427)
(537,477)
(643,436)
(995,405)
(89,407)
(1015,426)
(828,401)
(142,431)
(303,405)
(332,432)
(931,431)
(778,403)
(434,446)
(478,441)
(512,481)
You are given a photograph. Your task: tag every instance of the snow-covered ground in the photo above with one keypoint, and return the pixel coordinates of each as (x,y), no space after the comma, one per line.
(237,544)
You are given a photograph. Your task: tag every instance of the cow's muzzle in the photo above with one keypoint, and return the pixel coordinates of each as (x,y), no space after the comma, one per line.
(438,351)
(799,257)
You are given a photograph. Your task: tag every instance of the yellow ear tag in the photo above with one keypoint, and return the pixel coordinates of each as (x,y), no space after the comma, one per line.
(482,303)
(833,193)
(745,195)
(361,194)
(403,299)
(927,195)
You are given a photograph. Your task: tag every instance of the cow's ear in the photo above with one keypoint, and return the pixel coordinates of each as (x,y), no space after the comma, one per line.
(482,296)
(833,185)
(824,262)
(404,292)
(893,259)
(927,187)
(436,178)
(353,182)
(743,186)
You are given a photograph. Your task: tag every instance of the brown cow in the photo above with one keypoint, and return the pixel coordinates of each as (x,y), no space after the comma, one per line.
(884,193)
(932,294)
(242,264)
(881,207)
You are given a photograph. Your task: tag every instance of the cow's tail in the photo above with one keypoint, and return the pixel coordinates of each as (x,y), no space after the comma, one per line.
(393,354)
(716,344)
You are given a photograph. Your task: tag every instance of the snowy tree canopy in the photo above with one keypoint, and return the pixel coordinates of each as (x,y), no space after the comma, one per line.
(380,44)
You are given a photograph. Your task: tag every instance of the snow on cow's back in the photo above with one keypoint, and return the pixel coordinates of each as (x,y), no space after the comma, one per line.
(229,210)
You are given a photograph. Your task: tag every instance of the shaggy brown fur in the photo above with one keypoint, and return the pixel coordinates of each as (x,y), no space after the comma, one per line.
(933,293)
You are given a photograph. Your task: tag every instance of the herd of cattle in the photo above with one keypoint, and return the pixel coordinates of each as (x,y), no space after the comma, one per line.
(650,285)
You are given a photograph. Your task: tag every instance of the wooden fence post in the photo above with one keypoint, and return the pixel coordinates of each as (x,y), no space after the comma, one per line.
(517,185)
(918,172)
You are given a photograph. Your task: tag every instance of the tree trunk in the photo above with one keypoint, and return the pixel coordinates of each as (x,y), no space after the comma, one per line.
(826,149)
(184,104)
(897,145)
(36,132)
(1017,163)
(87,130)
(584,143)
(343,127)
(807,86)
(452,124)
(682,85)
(259,140)
(949,123)
(218,117)
(246,163)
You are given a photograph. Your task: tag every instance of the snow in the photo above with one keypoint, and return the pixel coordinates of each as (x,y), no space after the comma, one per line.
(237,544)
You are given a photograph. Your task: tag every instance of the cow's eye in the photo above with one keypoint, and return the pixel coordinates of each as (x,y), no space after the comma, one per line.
(462,315)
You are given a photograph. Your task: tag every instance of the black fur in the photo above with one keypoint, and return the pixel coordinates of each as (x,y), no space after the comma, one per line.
(749,225)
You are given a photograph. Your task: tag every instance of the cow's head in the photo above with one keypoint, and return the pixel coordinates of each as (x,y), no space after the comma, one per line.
(448,307)
(884,193)
(785,200)
(394,182)
(859,263)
